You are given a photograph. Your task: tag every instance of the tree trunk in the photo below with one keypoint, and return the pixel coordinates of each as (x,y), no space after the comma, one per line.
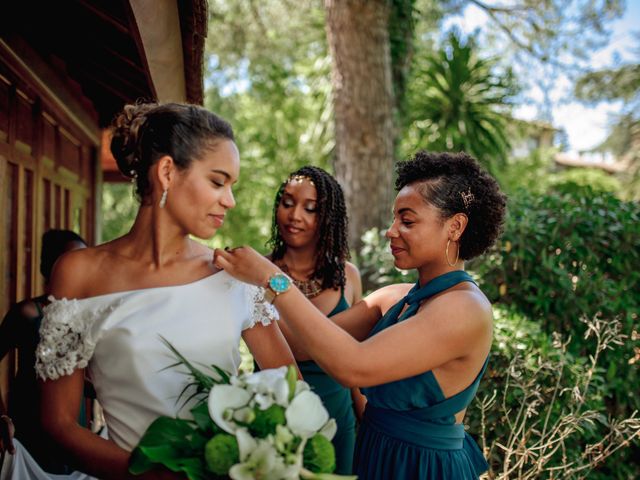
(364,110)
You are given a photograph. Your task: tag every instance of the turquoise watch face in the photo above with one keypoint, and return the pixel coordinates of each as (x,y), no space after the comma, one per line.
(279,283)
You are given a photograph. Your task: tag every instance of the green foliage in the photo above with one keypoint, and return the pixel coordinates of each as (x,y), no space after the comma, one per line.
(531,173)
(565,255)
(275,89)
(376,263)
(119,208)
(319,454)
(577,179)
(173,443)
(458,101)
(221,453)
(622,83)
(541,411)
(569,255)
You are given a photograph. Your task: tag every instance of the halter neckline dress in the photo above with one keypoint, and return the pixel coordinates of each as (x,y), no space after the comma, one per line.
(409,429)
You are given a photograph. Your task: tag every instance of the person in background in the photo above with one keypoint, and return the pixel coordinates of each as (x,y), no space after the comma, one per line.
(309,243)
(20,330)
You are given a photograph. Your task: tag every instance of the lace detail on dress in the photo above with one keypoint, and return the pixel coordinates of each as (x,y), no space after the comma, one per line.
(65,337)
(262,311)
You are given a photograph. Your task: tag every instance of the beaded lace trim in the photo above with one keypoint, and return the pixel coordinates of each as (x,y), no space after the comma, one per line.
(263,311)
(65,337)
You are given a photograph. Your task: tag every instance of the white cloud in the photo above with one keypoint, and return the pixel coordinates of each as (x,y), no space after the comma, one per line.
(586,127)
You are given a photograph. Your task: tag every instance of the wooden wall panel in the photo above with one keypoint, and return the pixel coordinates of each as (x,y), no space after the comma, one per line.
(48,138)
(4,109)
(24,123)
(47,180)
(69,152)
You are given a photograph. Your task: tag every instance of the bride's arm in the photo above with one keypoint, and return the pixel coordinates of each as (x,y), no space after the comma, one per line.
(268,346)
(86,451)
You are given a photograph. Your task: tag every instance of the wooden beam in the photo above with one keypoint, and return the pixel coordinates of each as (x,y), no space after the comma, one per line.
(124,59)
(109,77)
(114,22)
(27,64)
(135,34)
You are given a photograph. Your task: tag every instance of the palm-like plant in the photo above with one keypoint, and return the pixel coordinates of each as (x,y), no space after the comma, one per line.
(457,102)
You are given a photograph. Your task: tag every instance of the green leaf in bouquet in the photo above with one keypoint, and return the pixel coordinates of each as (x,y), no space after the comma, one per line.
(162,444)
(307,475)
(166,430)
(266,421)
(202,381)
(292,379)
(203,420)
(195,468)
(224,376)
(139,462)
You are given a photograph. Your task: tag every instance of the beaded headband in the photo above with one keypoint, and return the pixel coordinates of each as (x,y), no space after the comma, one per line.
(300,179)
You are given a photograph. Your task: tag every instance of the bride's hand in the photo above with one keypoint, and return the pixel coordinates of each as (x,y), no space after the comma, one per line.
(245,264)
(6,435)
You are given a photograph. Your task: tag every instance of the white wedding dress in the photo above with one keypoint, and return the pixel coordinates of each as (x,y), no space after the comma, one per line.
(117,337)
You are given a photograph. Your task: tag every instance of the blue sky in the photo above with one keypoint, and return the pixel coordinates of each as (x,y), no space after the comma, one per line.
(586,126)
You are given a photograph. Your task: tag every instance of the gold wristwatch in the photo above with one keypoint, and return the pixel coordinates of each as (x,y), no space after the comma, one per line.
(277,284)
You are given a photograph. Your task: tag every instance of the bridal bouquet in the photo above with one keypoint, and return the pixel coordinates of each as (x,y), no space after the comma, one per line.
(263,425)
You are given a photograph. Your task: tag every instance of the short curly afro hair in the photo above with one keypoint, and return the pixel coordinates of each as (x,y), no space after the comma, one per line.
(455,183)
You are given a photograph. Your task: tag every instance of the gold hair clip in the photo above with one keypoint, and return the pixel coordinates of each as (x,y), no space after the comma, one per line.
(467,198)
(300,179)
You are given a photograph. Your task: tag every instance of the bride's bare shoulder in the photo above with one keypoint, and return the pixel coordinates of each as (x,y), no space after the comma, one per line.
(75,271)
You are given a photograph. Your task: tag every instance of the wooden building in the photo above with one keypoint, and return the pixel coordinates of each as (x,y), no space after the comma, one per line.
(66,68)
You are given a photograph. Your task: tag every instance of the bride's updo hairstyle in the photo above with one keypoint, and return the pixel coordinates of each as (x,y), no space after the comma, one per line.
(145,132)
(455,183)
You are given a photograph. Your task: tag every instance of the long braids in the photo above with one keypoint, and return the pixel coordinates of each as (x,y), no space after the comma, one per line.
(332,247)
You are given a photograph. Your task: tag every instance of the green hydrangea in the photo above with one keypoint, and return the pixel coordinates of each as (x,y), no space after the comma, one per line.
(319,455)
(221,453)
(266,421)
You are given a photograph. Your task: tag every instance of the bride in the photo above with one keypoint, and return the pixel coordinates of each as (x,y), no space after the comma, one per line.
(114,302)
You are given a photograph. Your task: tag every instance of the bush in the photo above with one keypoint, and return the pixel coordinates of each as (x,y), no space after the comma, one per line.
(540,411)
(568,255)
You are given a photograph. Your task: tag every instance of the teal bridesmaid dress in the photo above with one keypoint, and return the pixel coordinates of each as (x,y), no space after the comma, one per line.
(409,430)
(337,400)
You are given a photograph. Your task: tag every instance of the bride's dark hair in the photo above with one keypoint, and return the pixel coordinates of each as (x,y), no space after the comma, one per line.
(145,132)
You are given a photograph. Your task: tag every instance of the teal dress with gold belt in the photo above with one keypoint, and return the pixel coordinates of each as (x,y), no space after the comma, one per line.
(409,429)
(337,400)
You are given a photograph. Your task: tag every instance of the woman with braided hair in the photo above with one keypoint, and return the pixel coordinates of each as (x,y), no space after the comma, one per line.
(416,351)
(309,243)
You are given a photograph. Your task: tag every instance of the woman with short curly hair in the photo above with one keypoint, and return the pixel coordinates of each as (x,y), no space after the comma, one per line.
(416,351)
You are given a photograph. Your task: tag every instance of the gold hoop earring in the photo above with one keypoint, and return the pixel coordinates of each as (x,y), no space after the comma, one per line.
(446,254)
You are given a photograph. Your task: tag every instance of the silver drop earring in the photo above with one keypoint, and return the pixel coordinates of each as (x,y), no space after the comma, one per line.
(163,198)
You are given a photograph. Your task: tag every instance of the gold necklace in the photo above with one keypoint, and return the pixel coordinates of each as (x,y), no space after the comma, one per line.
(310,288)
